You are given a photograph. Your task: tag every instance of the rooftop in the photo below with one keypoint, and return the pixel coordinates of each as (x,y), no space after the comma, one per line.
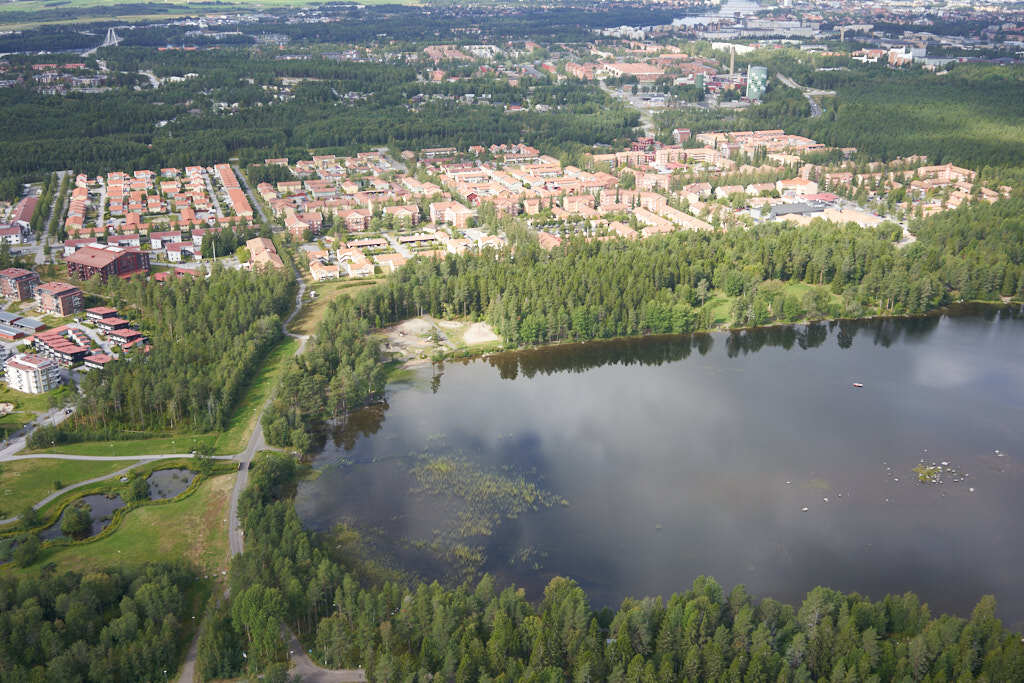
(56,288)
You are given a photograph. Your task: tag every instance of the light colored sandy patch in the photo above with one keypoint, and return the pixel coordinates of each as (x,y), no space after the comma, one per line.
(450,324)
(415,326)
(479,333)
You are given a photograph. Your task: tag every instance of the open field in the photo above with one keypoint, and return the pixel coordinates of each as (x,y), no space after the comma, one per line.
(313,310)
(721,303)
(35,403)
(12,422)
(181,443)
(420,338)
(193,529)
(25,482)
(32,13)
(233,440)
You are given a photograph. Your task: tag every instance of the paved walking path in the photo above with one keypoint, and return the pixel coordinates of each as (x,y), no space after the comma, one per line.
(301,664)
(72,487)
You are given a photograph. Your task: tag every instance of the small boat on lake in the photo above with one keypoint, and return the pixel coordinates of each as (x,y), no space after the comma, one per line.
(858,385)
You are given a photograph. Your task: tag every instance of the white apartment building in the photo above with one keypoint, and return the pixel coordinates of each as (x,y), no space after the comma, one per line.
(31,374)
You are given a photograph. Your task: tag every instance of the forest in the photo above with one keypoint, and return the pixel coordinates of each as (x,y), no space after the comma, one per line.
(596,290)
(179,124)
(205,335)
(972,116)
(354,616)
(106,625)
(554,21)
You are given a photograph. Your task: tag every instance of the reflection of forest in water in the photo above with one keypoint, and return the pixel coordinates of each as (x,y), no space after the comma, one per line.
(657,350)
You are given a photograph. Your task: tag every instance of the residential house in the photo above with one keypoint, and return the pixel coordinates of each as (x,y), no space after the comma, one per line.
(59,298)
(321,271)
(157,240)
(106,260)
(18,284)
(263,254)
(181,251)
(389,263)
(11,235)
(31,373)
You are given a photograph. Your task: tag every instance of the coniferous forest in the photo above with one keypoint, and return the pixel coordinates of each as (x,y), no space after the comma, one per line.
(206,336)
(106,625)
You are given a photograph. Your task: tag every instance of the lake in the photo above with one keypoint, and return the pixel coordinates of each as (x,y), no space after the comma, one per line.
(656,460)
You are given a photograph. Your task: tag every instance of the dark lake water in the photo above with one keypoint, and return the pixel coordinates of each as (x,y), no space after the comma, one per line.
(679,457)
(169,483)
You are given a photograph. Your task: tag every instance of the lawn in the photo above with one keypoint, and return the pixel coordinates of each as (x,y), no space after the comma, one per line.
(194,528)
(313,310)
(721,308)
(35,403)
(27,481)
(159,445)
(244,420)
(57,320)
(12,422)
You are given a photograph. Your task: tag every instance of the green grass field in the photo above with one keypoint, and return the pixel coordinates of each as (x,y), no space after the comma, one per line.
(721,303)
(234,439)
(27,481)
(721,306)
(35,403)
(194,529)
(12,422)
(50,511)
(313,310)
(181,443)
(31,13)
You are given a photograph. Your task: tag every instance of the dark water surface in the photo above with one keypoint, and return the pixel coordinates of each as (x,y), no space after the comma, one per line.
(101,509)
(682,457)
(164,484)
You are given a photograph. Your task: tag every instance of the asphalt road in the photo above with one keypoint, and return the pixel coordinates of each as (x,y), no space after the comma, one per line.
(809,93)
(308,672)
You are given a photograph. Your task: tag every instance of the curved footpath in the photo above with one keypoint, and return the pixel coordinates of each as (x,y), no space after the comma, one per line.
(136,460)
(61,492)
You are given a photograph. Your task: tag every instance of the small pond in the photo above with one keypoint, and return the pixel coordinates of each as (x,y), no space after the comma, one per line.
(164,484)
(101,509)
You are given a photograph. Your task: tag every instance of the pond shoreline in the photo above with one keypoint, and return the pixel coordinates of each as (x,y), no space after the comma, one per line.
(962,308)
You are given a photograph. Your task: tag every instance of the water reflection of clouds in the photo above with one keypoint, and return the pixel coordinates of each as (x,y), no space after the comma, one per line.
(702,447)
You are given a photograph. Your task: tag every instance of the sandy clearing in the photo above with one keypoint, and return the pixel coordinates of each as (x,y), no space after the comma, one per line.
(479,333)
(415,326)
